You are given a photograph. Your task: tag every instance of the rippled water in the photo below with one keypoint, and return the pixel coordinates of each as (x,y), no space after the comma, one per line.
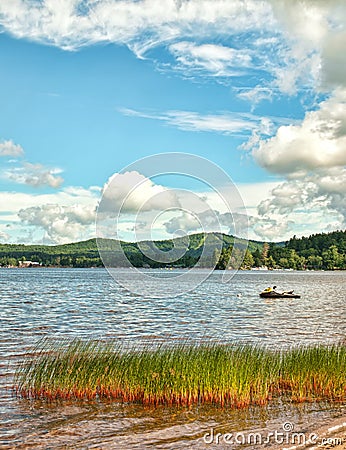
(88,303)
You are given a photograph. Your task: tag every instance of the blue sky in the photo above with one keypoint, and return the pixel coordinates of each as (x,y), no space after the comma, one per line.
(89,87)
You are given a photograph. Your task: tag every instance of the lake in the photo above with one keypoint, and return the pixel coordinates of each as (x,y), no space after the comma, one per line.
(87,303)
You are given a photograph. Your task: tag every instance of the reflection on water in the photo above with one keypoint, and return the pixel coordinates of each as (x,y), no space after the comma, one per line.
(87,303)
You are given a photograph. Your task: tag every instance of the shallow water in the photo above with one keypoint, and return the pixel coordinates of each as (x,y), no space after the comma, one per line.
(88,303)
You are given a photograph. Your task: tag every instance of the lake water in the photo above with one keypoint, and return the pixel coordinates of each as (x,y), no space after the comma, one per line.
(88,303)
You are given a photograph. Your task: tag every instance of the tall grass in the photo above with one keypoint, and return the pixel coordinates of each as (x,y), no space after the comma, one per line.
(314,373)
(233,375)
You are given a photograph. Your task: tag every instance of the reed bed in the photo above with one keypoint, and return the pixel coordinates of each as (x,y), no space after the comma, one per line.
(184,374)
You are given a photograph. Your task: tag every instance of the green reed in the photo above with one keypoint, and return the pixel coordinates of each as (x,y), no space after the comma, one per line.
(184,373)
(315,373)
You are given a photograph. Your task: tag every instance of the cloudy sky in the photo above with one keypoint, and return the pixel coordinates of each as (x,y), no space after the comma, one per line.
(87,87)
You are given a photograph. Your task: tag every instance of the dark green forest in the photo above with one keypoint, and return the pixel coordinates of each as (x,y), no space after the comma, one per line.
(325,251)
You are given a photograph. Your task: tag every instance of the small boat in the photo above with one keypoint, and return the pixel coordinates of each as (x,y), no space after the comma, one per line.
(274,294)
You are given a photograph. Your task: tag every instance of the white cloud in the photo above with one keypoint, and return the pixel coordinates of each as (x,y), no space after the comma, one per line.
(318,142)
(312,157)
(271,35)
(271,229)
(9,148)
(61,224)
(71,24)
(218,60)
(210,122)
(59,217)
(14,201)
(315,50)
(210,220)
(185,222)
(132,192)
(322,192)
(190,212)
(68,215)
(296,14)
(225,123)
(256,95)
(24,172)
(253,193)
(35,175)
(334,59)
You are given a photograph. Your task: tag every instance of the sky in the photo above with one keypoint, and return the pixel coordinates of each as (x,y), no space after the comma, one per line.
(89,87)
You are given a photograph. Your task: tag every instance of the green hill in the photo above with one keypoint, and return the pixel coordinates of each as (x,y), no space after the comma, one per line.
(325,251)
(86,254)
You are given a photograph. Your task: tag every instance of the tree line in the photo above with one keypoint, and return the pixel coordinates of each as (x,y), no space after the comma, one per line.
(324,251)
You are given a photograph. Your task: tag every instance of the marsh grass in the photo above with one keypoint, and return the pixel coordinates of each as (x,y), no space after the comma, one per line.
(183,374)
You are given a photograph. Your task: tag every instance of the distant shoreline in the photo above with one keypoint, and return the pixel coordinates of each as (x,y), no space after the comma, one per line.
(253,270)
(201,250)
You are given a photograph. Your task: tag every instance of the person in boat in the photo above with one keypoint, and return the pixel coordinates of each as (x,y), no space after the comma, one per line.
(270,289)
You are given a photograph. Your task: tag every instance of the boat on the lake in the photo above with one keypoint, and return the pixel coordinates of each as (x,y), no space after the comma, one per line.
(274,294)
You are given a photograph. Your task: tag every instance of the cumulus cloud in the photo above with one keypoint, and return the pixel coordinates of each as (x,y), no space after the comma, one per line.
(312,157)
(145,210)
(270,229)
(35,175)
(318,142)
(237,224)
(69,196)
(334,59)
(301,57)
(314,51)
(286,197)
(210,220)
(56,217)
(185,222)
(131,192)
(9,148)
(323,190)
(61,223)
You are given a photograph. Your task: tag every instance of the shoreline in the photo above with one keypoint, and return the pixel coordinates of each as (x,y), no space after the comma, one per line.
(255,270)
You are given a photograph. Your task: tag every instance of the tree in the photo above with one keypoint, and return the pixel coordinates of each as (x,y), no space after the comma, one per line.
(257,256)
(265,252)
(248,260)
(314,262)
(224,259)
(332,258)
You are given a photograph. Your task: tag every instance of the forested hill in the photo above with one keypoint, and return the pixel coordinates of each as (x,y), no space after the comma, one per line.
(320,251)
(318,243)
(86,254)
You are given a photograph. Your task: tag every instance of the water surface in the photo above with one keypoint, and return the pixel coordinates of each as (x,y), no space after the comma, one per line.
(87,303)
